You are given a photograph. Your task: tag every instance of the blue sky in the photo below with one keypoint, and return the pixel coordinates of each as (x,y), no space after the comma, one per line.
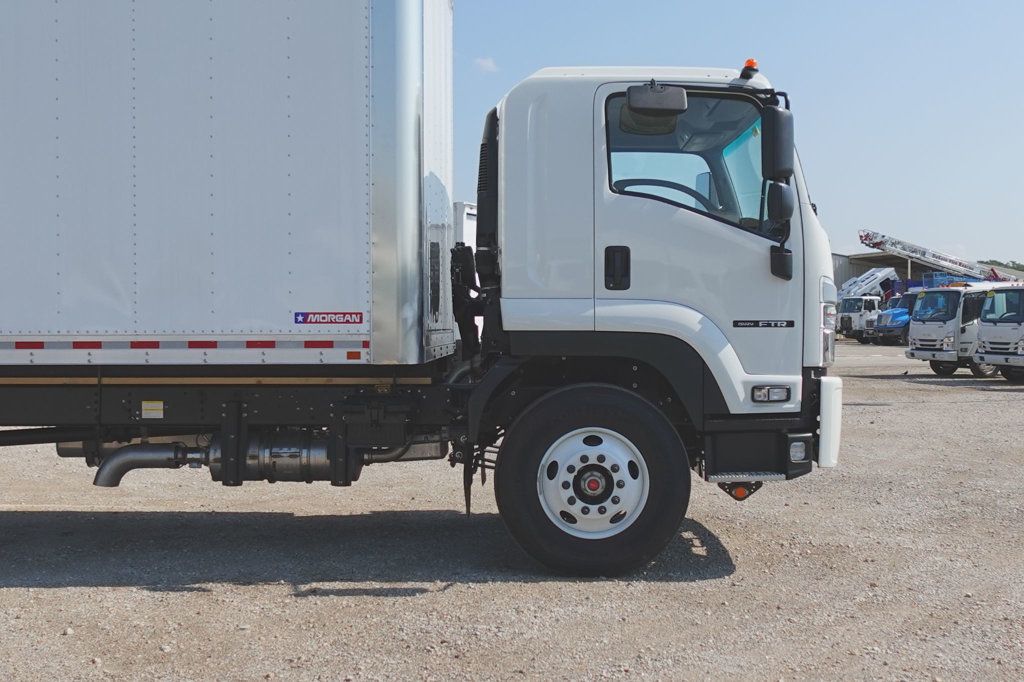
(908,114)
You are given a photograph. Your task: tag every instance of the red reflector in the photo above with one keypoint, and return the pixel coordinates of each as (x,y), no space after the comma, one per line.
(353,355)
(319,344)
(87,345)
(28,345)
(143,345)
(202,344)
(261,344)
(366,344)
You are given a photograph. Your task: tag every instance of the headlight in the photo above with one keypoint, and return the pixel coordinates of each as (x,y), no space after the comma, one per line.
(947,343)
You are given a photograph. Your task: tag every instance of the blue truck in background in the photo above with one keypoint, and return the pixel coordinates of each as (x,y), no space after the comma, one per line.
(893,325)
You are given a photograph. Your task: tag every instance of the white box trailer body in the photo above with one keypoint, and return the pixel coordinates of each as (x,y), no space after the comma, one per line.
(225,183)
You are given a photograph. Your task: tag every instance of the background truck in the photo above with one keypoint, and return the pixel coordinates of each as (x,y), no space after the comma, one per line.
(1001,331)
(229,238)
(944,328)
(854,314)
(893,324)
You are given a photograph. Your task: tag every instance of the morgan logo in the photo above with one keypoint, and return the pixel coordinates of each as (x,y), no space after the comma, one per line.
(328,318)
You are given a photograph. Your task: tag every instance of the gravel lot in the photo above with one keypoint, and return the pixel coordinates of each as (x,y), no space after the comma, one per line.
(904,563)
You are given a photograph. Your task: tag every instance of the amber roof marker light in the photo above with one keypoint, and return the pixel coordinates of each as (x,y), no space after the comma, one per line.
(750,69)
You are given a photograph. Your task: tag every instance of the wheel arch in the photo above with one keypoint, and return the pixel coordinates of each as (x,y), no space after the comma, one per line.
(665,370)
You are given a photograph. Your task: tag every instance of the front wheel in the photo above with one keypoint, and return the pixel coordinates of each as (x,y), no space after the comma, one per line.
(944,369)
(1012,374)
(983,371)
(905,336)
(863,340)
(592,480)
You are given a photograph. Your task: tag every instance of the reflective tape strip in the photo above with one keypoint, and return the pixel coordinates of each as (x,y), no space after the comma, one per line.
(196,344)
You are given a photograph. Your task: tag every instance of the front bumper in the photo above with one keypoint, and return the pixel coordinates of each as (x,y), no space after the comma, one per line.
(999,359)
(937,355)
(886,332)
(831,421)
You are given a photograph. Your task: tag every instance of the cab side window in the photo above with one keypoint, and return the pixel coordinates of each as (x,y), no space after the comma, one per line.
(973,304)
(706,159)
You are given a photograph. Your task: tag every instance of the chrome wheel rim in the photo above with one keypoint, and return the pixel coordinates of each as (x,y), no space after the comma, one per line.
(593,483)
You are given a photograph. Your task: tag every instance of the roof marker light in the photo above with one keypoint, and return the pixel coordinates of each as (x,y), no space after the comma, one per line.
(749,69)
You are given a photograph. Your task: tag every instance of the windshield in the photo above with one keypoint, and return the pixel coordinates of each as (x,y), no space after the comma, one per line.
(851,305)
(907,302)
(706,159)
(1003,306)
(936,306)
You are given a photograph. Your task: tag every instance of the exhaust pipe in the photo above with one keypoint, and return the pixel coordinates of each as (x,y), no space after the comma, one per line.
(142,456)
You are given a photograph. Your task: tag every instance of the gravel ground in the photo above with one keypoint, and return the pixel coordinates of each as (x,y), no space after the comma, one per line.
(906,562)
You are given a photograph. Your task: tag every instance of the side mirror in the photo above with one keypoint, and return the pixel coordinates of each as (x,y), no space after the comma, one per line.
(781,202)
(777,155)
(656,99)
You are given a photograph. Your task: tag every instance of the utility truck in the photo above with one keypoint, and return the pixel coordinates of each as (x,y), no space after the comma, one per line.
(1001,331)
(944,328)
(228,237)
(855,314)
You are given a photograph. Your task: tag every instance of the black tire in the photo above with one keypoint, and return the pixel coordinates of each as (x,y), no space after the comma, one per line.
(944,369)
(983,371)
(1014,375)
(905,336)
(863,340)
(543,424)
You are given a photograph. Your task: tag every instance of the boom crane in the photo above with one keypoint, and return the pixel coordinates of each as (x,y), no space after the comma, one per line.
(943,261)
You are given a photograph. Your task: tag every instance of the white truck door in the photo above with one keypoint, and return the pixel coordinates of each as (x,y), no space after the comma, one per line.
(970,312)
(676,223)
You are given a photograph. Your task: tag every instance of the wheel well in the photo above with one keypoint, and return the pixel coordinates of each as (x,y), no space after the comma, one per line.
(538,376)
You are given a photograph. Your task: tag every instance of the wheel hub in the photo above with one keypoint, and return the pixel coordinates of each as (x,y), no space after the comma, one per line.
(593,483)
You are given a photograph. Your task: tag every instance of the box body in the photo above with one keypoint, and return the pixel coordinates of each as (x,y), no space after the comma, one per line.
(235,182)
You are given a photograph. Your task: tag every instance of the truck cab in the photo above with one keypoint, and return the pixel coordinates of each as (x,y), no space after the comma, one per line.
(854,313)
(1001,331)
(944,328)
(893,325)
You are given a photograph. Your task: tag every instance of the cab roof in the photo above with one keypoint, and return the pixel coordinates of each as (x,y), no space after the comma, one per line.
(677,74)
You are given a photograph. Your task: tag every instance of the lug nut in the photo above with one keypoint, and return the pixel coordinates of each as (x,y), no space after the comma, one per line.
(600,459)
(571,501)
(615,468)
(571,469)
(615,499)
(584,459)
(584,510)
(620,484)
(566,485)
(602,510)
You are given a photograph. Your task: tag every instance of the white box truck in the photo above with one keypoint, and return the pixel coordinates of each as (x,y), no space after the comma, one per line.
(228,235)
(944,328)
(1001,331)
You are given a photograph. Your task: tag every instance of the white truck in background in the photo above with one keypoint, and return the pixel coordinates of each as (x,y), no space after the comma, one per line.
(944,328)
(855,312)
(241,255)
(861,299)
(1001,331)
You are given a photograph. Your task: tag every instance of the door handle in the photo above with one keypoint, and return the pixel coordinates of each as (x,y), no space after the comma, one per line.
(616,268)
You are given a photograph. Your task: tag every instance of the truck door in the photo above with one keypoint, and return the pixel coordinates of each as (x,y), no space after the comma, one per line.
(969,315)
(678,201)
